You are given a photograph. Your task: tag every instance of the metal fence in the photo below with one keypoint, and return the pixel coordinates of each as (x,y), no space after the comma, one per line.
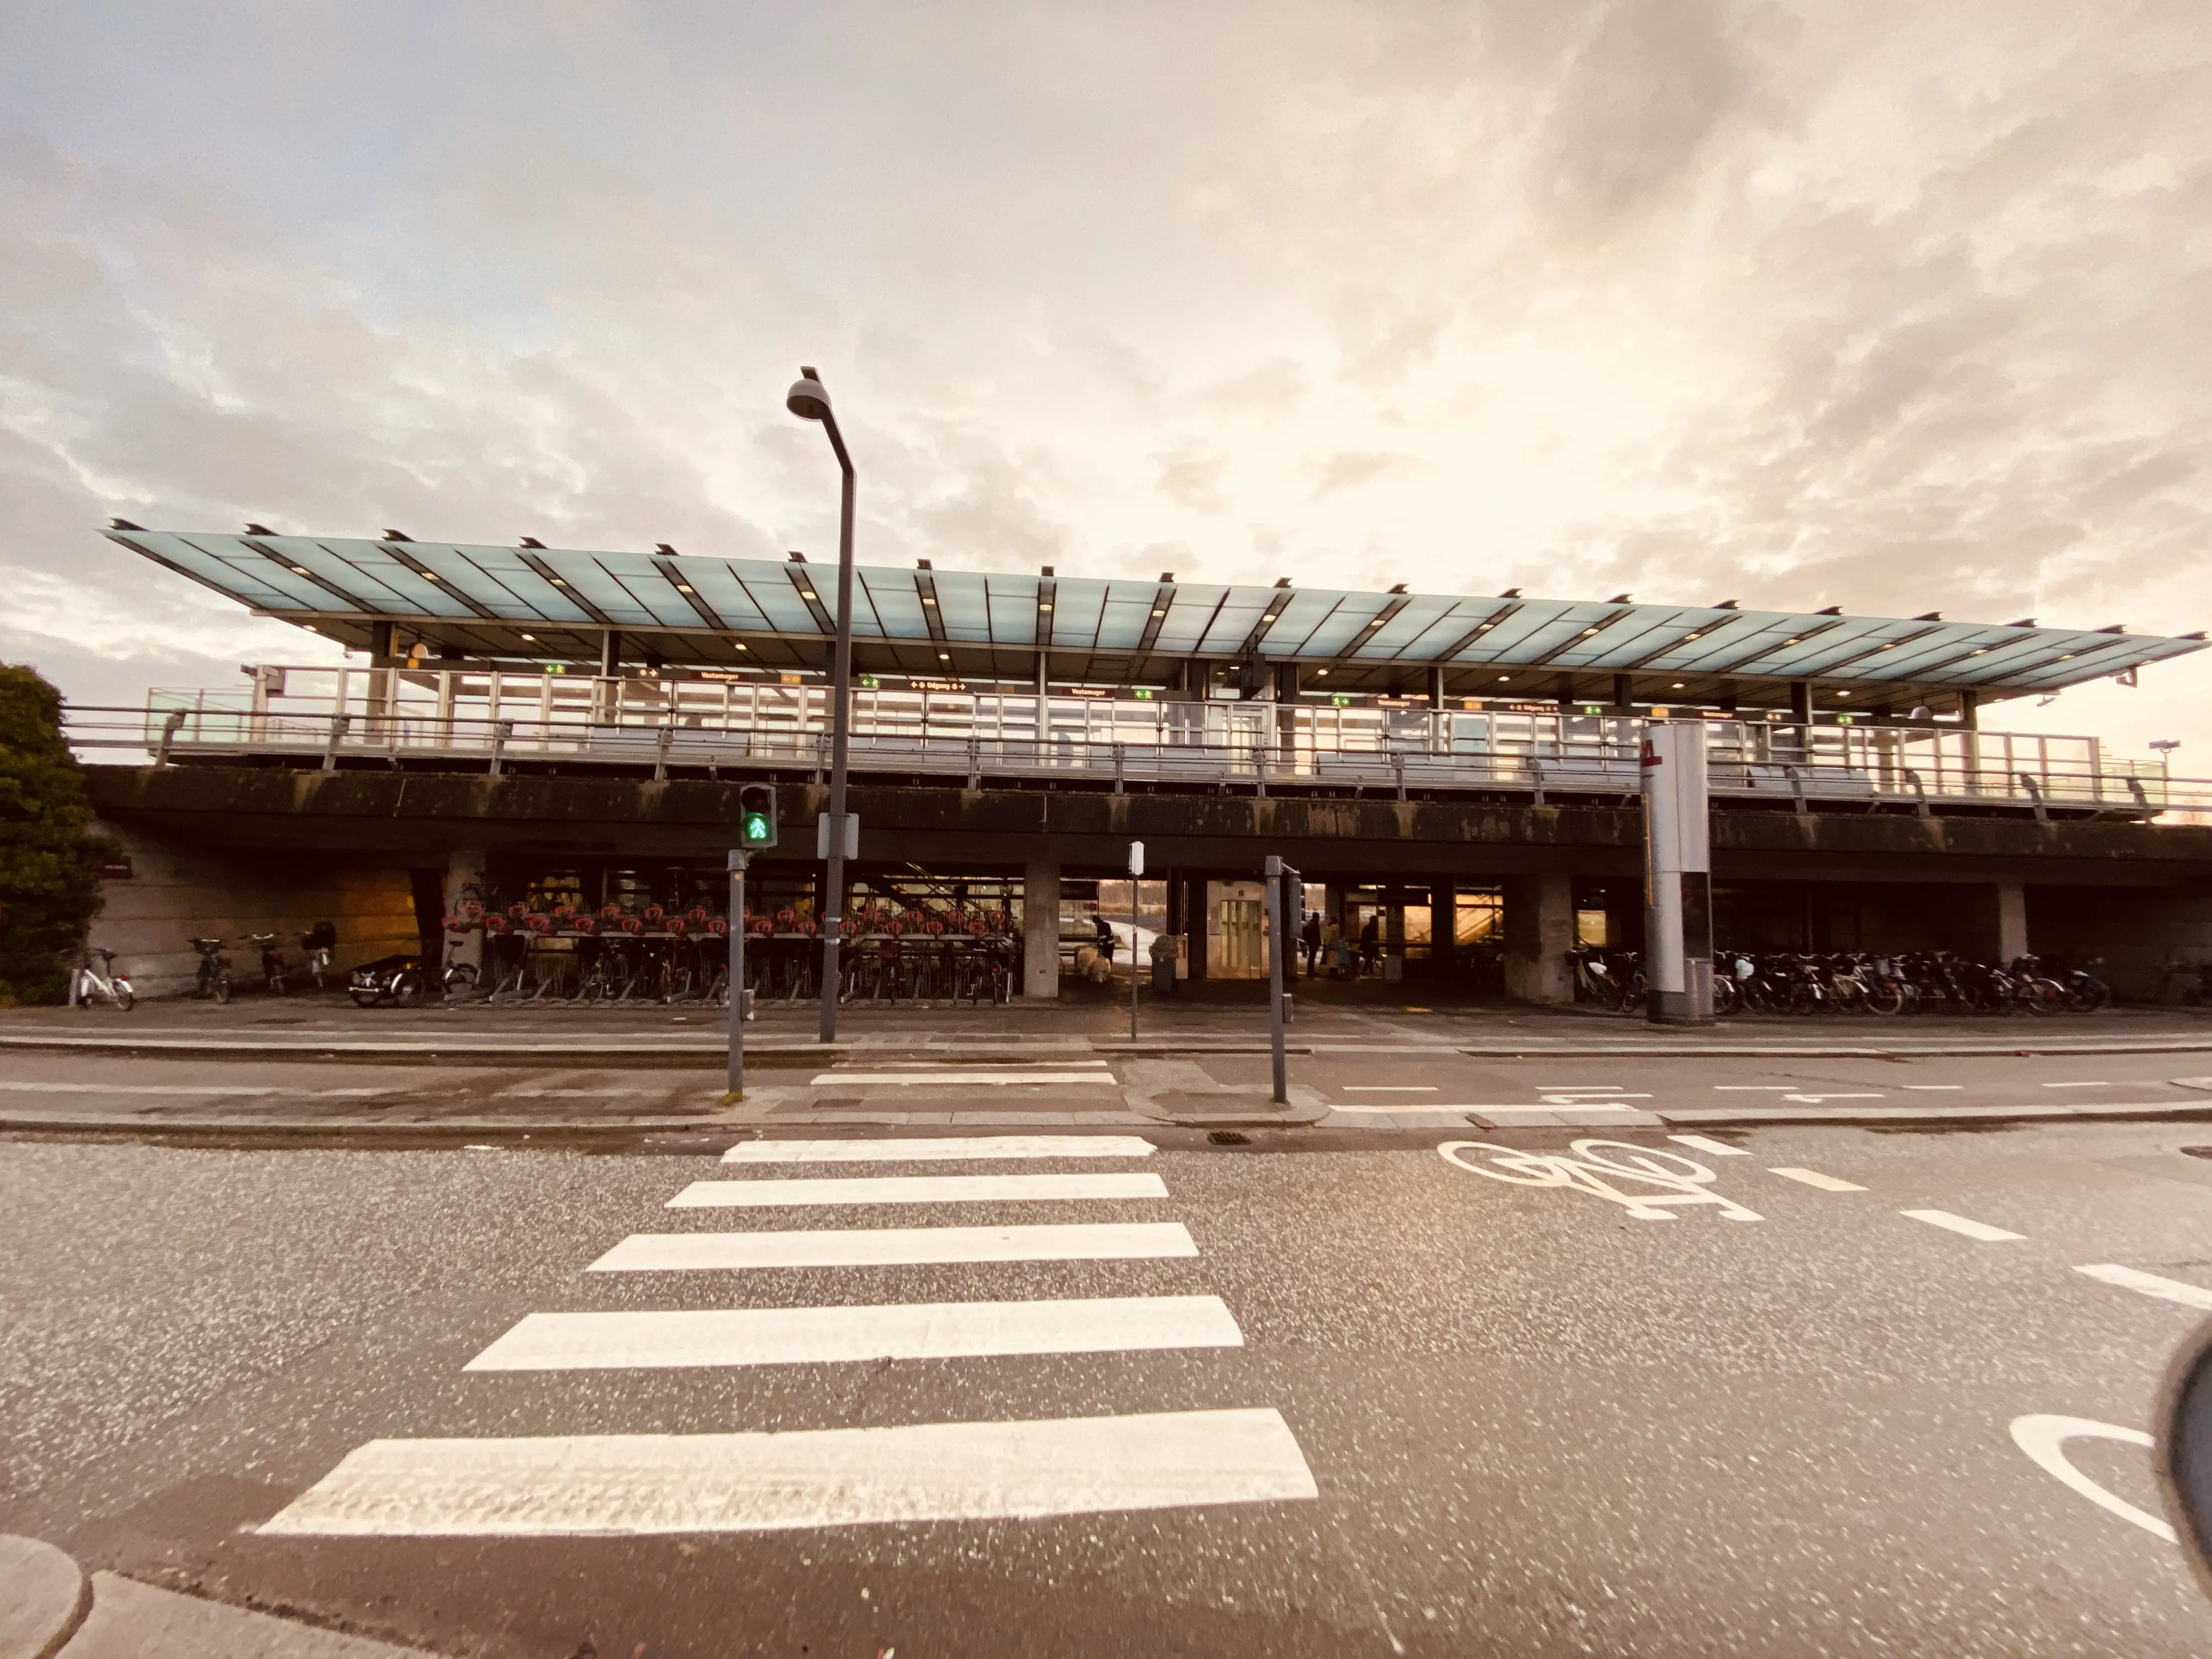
(499,720)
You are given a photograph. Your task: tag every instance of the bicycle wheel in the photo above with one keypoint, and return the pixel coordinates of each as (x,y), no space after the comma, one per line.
(222,987)
(1885,996)
(2043,996)
(126,998)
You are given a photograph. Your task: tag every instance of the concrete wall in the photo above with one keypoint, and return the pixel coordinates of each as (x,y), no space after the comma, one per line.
(2138,934)
(180,889)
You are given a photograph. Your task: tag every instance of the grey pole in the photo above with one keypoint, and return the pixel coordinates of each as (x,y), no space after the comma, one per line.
(737,1080)
(810,402)
(1274,871)
(1136,869)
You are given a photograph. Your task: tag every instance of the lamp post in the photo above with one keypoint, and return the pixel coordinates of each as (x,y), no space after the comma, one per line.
(807,400)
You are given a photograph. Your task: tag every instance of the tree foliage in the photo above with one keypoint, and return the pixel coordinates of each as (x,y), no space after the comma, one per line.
(49,863)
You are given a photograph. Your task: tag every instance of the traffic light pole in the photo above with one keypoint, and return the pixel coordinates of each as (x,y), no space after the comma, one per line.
(737,1080)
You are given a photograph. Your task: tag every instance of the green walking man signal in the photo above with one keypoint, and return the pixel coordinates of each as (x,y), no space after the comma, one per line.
(757,816)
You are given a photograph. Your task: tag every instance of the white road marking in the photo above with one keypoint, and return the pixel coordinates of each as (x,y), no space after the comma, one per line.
(1587,1096)
(830,1336)
(918,1150)
(575,1094)
(1934,1088)
(2081,1085)
(1547,1106)
(949,1078)
(135,1089)
(1389,1087)
(652,1482)
(913,1189)
(894,1247)
(1958,1224)
(1815,1100)
(1826,1183)
(1717,1148)
(1677,1179)
(2167,1289)
(2043,1437)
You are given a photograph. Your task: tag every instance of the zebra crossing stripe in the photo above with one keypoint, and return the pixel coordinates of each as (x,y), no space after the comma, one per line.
(947,1149)
(952,1077)
(894,1247)
(620,1484)
(913,1189)
(659,1340)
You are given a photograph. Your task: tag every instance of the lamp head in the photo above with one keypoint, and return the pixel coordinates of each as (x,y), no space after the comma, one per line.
(806,399)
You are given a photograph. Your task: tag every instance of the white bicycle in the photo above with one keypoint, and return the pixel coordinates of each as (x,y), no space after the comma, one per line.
(103,983)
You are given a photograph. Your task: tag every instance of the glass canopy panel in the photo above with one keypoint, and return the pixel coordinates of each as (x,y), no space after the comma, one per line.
(1191,608)
(1304,612)
(897,602)
(773,596)
(718,585)
(964,602)
(1127,611)
(1076,607)
(486,575)
(1013,610)
(1233,623)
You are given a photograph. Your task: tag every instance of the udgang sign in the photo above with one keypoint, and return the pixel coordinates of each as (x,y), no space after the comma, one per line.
(1678,888)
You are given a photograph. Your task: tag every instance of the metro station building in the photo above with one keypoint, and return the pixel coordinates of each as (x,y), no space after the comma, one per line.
(527,723)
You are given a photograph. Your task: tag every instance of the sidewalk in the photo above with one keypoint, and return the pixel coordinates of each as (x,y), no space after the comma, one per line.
(783,1036)
(49,1609)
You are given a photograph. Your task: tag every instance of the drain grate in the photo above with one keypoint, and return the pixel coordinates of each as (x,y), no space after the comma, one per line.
(1227,1137)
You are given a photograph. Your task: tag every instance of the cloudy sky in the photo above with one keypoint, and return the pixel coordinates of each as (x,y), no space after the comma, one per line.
(1847,302)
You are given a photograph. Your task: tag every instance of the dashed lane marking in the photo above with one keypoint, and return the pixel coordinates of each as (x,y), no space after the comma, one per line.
(2167,1289)
(1980,1230)
(917,1079)
(894,1247)
(656,1483)
(657,1340)
(1826,1183)
(918,1150)
(913,1189)
(2082,1085)
(1717,1148)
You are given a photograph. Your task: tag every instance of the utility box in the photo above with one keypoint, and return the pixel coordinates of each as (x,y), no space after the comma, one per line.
(1167,954)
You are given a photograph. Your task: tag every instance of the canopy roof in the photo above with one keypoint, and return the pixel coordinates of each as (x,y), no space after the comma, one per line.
(551,604)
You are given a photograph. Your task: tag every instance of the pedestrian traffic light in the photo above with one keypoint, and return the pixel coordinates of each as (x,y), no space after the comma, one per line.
(757,816)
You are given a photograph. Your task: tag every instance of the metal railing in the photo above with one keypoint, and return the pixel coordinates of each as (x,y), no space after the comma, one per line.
(500,721)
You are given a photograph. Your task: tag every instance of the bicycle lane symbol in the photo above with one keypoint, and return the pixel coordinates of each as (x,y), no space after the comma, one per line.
(1590,1170)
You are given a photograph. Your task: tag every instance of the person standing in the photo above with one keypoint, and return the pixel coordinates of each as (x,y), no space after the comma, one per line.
(1310,937)
(1370,945)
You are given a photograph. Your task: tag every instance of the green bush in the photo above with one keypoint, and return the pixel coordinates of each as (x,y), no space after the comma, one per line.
(49,866)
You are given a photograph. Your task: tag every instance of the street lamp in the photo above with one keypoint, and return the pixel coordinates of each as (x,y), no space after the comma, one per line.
(807,400)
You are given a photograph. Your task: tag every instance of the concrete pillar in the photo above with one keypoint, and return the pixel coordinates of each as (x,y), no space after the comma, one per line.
(2012,921)
(1540,931)
(1443,925)
(1394,934)
(1041,930)
(463,869)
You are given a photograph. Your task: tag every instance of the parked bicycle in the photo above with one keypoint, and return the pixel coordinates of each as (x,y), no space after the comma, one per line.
(103,983)
(213,979)
(317,942)
(272,963)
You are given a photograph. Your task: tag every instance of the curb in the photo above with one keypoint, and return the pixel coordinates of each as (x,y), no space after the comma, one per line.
(51,1609)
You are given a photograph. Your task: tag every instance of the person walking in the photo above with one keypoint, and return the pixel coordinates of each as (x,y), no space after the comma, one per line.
(1370,945)
(1310,937)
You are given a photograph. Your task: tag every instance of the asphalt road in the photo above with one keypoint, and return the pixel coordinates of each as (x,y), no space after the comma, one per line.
(1533,1421)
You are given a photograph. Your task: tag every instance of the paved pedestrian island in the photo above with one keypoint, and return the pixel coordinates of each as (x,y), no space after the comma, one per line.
(611,1484)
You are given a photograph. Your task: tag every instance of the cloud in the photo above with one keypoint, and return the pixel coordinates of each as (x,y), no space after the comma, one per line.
(1892,308)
